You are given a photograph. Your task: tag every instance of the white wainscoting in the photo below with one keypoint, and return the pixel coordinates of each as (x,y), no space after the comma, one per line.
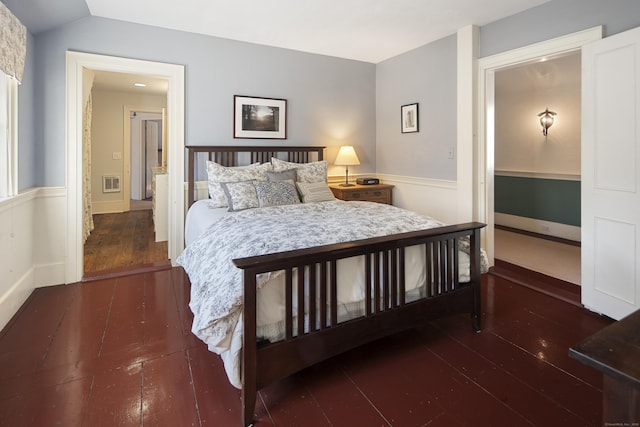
(32,246)
(436,198)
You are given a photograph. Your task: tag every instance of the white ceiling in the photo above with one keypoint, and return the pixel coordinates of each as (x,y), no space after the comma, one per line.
(365,30)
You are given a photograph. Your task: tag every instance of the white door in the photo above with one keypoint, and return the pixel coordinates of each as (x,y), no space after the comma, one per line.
(611,174)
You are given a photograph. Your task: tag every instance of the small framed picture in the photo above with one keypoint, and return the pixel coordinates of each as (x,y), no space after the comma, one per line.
(409,117)
(255,117)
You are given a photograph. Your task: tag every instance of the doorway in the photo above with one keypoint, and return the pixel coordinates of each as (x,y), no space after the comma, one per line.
(487,67)
(537,175)
(77,63)
(146,152)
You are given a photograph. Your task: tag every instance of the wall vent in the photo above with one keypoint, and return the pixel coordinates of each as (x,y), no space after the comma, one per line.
(110,184)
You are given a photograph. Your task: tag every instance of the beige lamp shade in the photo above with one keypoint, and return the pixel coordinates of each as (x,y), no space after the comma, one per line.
(347,156)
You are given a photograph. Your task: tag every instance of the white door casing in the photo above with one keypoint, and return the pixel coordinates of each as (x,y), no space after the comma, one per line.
(487,68)
(76,63)
(611,174)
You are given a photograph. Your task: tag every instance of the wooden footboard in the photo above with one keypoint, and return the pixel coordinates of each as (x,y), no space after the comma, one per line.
(386,310)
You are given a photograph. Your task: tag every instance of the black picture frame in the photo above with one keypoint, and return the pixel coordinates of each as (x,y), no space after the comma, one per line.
(409,118)
(259,118)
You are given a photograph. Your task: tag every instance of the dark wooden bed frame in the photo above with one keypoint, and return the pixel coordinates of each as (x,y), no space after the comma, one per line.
(386,311)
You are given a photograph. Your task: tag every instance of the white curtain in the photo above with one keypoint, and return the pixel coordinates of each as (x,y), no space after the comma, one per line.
(87,216)
(13,44)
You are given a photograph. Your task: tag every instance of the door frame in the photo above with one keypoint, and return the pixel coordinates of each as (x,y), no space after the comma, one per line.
(487,68)
(76,62)
(128,110)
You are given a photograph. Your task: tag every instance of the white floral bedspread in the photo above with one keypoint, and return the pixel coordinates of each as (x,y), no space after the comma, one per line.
(217,285)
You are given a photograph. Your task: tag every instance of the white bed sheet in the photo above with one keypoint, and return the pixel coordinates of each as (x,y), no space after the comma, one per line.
(201,216)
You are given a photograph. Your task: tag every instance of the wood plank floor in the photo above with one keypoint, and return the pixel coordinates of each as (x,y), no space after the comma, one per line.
(122,240)
(119,352)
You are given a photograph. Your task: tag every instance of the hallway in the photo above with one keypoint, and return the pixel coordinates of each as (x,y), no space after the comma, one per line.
(123,240)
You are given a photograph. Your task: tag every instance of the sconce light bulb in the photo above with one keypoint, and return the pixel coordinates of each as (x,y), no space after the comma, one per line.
(546,120)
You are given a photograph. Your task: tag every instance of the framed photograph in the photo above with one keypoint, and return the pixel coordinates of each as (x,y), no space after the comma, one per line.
(256,117)
(409,117)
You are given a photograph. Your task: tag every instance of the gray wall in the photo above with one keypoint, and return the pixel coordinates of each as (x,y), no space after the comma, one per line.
(331,101)
(426,75)
(558,18)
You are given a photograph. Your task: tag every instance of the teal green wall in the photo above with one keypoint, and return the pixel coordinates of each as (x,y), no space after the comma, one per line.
(544,199)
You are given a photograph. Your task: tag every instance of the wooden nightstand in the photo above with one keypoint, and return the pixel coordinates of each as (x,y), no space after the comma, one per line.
(380,193)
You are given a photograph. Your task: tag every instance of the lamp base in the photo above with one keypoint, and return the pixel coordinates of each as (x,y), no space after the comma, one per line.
(346,185)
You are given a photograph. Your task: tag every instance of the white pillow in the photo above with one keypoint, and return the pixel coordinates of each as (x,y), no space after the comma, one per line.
(307,172)
(315,192)
(218,174)
(240,195)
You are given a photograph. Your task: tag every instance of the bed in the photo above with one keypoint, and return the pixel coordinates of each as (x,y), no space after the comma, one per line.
(279,285)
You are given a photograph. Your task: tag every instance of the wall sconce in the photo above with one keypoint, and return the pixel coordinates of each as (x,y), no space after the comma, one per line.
(347,157)
(546,120)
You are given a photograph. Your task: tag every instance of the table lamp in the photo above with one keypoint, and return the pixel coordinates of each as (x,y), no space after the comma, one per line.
(347,157)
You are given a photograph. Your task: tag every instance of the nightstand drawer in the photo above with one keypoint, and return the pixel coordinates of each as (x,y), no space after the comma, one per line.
(380,196)
(380,193)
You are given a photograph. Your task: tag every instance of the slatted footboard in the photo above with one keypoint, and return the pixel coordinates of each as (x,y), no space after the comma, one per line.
(313,332)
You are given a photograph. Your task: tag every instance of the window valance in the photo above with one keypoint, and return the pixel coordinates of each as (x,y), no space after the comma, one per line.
(13,44)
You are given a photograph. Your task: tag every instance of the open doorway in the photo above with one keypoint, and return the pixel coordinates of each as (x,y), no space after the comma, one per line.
(487,69)
(126,151)
(77,64)
(537,175)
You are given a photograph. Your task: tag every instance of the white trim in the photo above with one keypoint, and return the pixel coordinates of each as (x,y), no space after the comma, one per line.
(467,50)
(11,202)
(422,182)
(539,175)
(76,62)
(485,101)
(15,296)
(555,229)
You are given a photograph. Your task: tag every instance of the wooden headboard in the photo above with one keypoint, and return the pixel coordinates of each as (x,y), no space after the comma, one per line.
(232,156)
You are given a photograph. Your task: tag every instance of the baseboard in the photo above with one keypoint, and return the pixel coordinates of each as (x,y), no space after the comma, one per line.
(562,231)
(48,274)
(15,297)
(115,206)
(538,235)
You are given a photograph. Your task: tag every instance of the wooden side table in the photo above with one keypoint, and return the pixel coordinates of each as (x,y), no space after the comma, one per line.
(380,193)
(615,351)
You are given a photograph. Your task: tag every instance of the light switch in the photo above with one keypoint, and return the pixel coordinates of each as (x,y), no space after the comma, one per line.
(452,153)
(117,155)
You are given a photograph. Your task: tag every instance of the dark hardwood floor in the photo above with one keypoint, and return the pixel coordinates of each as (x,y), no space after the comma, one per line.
(120,241)
(119,351)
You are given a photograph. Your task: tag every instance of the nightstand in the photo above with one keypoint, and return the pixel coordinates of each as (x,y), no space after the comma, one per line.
(380,193)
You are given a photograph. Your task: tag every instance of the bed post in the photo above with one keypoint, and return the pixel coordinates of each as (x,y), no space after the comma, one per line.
(249,350)
(474,252)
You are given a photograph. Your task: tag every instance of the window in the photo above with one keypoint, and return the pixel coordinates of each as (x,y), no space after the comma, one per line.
(8,136)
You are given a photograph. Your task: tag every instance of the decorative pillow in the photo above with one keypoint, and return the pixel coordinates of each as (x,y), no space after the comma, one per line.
(307,172)
(290,174)
(315,192)
(240,195)
(276,193)
(218,174)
